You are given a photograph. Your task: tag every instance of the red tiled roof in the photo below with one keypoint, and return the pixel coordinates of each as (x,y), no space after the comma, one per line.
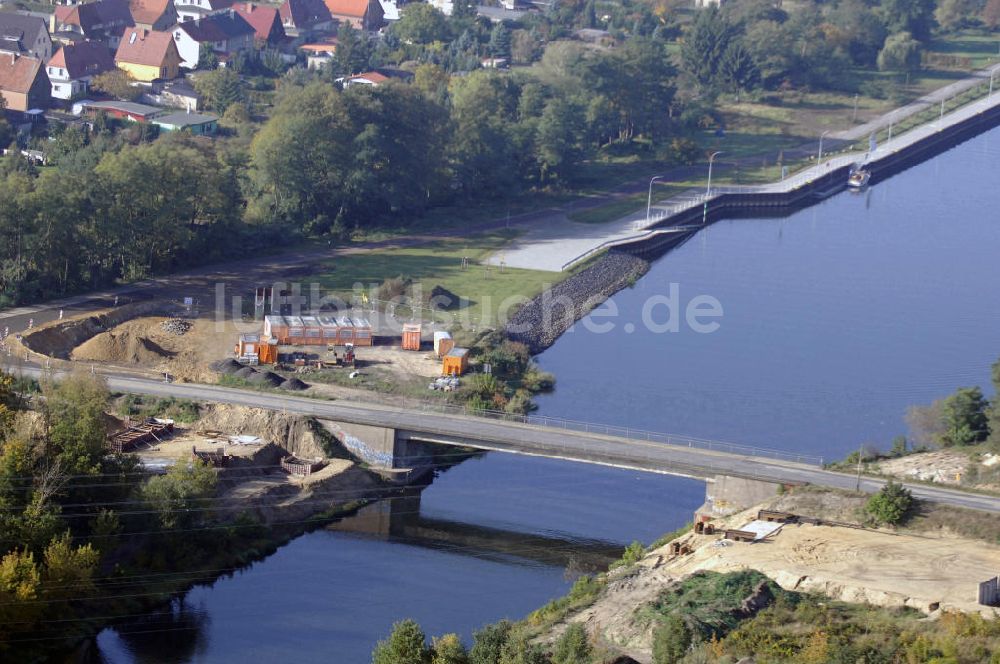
(262,19)
(83,59)
(353,8)
(372,76)
(143,47)
(18,72)
(149,11)
(328,46)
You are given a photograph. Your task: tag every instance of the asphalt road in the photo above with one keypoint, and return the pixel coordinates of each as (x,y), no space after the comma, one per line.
(530,439)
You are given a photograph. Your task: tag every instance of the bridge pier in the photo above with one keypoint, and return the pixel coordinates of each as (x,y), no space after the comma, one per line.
(726,495)
(395,457)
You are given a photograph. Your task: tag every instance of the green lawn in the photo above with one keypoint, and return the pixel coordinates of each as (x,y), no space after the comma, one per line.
(980,49)
(440,264)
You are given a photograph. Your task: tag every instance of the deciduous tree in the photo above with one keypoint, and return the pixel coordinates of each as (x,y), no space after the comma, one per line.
(406,645)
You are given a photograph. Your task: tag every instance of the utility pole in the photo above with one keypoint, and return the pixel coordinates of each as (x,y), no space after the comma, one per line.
(857,487)
(649,198)
(854,118)
(708,189)
(819,158)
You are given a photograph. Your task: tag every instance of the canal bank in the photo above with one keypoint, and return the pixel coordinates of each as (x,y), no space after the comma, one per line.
(541,321)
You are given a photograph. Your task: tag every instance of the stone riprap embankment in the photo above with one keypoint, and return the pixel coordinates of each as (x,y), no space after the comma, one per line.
(542,320)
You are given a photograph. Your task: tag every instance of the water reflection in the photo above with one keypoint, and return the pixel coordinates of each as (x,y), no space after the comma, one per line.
(176,632)
(400,520)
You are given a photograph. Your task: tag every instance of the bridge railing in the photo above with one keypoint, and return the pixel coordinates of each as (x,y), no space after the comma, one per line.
(627,432)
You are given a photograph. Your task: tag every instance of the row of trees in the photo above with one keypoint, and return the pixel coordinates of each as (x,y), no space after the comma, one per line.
(499,643)
(113,210)
(330,158)
(757,44)
(57,532)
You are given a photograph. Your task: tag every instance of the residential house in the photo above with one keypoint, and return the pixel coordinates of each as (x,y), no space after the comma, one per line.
(376,78)
(25,35)
(264,20)
(225,32)
(189,10)
(390,11)
(102,21)
(362,14)
(196,123)
(23,83)
(153,14)
(123,110)
(499,14)
(320,54)
(148,56)
(300,17)
(74,65)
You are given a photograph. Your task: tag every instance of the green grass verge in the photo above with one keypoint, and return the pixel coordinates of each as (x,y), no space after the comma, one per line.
(439,263)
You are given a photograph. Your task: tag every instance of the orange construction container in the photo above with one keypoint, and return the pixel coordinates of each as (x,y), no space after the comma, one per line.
(411,336)
(455,362)
(268,352)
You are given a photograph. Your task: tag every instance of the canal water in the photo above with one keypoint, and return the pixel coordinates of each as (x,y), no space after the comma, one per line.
(835,320)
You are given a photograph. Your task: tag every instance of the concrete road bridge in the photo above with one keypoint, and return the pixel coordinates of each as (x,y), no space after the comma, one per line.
(395,439)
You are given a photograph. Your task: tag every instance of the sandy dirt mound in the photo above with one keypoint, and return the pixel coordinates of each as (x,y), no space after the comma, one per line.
(292,433)
(122,347)
(156,343)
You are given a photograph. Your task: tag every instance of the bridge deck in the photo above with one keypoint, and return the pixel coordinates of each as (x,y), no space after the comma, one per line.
(537,440)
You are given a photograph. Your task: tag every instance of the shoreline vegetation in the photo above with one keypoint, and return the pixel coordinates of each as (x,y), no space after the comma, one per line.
(101,539)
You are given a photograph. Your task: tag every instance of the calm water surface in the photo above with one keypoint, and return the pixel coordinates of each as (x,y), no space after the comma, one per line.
(836,319)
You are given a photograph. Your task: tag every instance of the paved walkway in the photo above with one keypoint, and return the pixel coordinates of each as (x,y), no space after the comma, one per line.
(559,243)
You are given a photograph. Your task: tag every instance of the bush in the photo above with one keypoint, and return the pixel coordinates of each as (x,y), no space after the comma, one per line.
(488,643)
(633,554)
(406,645)
(890,505)
(572,647)
(671,641)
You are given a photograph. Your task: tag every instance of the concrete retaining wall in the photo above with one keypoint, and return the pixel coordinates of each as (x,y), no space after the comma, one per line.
(755,204)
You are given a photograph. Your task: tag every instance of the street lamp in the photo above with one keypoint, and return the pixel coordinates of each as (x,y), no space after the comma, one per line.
(649,199)
(819,158)
(711,158)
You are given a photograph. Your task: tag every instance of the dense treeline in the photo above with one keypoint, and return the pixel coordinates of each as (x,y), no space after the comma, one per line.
(304,157)
(111,209)
(126,205)
(86,534)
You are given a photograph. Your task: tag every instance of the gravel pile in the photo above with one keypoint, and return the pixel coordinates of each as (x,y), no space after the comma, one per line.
(228,366)
(540,322)
(265,378)
(176,326)
(293,384)
(245,372)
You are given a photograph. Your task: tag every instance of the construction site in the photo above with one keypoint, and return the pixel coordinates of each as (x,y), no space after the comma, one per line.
(356,353)
(931,571)
(267,460)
